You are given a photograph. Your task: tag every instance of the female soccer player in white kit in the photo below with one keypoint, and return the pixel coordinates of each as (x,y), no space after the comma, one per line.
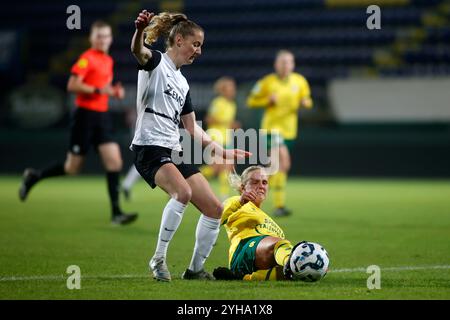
(163,101)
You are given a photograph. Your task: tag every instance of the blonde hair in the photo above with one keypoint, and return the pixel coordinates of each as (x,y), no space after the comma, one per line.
(219,84)
(168,25)
(283,52)
(236,181)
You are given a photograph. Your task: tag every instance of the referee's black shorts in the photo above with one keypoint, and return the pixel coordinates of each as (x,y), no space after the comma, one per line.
(148,159)
(89,128)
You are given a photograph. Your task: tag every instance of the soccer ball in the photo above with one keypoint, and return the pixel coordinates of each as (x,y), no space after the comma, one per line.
(309,262)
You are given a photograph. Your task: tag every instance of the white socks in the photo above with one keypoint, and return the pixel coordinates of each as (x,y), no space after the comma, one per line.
(205,235)
(131,178)
(171,218)
(205,238)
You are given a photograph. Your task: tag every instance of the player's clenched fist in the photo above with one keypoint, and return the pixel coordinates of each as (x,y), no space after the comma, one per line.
(248,196)
(143,19)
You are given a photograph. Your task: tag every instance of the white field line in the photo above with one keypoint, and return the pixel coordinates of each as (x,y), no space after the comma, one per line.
(405,268)
(63,278)
(142,276)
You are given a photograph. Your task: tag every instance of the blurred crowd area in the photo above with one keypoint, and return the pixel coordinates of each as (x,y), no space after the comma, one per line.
(329,38)
(334,49)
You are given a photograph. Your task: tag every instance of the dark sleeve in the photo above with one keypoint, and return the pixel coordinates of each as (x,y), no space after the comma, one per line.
(152,63)
(187,107)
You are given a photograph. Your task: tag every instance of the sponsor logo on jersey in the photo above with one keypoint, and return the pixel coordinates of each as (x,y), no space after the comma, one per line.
(170,91)
(269,227)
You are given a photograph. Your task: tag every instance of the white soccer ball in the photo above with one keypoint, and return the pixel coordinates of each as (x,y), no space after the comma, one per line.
(309,261)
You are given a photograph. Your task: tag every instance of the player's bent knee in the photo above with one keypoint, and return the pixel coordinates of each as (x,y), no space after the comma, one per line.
(119,164)
(71,169)
(183,195)
(115,165)
(215,210)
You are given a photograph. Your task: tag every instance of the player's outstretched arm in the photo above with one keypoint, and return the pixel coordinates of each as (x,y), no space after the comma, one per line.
(201,136)
(141,53)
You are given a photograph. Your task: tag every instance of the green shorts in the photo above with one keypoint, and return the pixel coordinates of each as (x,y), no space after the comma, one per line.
(244,257)
(278,140)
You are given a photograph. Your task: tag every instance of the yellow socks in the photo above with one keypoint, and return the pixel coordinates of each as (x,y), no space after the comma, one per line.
(282,251)
(278,188)
(271,274)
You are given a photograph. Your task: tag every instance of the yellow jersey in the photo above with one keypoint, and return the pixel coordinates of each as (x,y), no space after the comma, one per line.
(223,113)
(244,221)
(282,116)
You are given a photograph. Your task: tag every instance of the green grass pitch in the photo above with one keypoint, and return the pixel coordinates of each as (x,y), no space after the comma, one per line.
(403,226)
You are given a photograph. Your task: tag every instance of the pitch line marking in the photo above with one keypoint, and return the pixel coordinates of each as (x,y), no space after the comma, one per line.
(405,268)
(142,276)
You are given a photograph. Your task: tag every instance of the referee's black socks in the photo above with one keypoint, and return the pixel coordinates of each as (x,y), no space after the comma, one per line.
(52,171)
(113,191)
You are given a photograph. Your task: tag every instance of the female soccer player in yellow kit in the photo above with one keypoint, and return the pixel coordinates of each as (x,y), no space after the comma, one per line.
(220,118)
(281,94)
(258,249)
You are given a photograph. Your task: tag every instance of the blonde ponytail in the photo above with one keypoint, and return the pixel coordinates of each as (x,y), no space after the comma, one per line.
(234,179)
(167,25)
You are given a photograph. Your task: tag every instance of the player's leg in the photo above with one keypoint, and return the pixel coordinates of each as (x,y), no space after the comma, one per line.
(73,164)
(272,274)
(32,176)
(278,181)
(257,258)
(130,179)
(207,227)
(272,251)
(79,145)
(168,178)
(80,132)
(112,162)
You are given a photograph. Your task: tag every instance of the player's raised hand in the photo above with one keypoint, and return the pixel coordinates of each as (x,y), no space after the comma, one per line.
(143,20)
(235,154)
(247,196)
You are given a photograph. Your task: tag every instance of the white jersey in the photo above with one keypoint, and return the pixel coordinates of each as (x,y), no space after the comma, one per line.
(162,97)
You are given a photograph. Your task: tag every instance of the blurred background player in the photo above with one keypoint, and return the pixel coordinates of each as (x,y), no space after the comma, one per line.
(258,248)
(219,119)
(91,124)
(129,181)
(281,94)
